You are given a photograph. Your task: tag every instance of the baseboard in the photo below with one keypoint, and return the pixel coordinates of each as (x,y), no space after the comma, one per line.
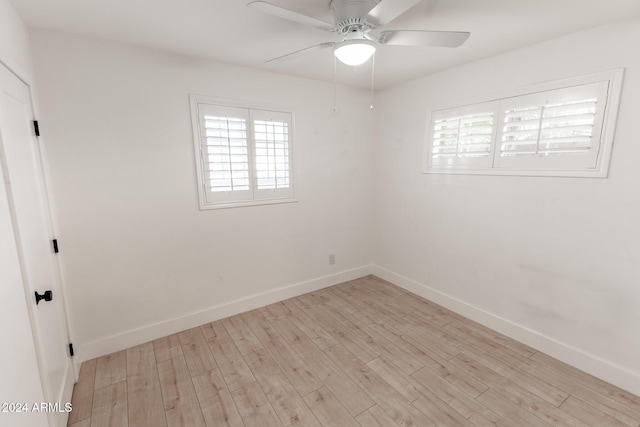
(151,332)
(607,371)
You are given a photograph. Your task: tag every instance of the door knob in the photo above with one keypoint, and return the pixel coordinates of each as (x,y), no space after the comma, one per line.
(47,296)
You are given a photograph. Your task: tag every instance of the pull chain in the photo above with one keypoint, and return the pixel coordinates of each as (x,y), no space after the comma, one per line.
(373,62)
(335,78)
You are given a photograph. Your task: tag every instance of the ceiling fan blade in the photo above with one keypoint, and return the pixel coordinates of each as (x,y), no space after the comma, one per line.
(290,15)
(388,10)
(301,52)
(423,38)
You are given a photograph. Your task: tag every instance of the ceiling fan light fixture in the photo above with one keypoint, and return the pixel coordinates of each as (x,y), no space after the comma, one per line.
(354,52)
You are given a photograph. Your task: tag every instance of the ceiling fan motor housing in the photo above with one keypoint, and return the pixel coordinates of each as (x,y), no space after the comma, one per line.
(348,14)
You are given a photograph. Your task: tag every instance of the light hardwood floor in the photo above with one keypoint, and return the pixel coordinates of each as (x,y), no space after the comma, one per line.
(362,353)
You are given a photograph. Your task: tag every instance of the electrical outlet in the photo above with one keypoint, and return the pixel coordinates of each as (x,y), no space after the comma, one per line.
(332,259)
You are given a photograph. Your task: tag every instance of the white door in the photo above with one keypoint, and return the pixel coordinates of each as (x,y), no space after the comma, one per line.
(31,217)
(18,363)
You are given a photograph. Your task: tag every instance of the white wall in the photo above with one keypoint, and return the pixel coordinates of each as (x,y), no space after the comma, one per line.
(140,259)
(14,42)
(552,261)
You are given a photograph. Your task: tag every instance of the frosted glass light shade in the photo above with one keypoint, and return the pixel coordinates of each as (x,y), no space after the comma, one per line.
(354,52)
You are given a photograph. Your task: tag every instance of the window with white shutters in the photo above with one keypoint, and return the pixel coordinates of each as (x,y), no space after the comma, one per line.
(463,137)
(564,127)
(271,140)
(559,129)
(243,153)
(555,130)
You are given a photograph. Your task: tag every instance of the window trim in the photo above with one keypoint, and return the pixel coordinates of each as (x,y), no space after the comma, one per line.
(604,145)
(257,195)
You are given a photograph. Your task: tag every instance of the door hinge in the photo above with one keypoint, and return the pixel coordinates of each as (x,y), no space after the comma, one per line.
(71,349)
(36,128)
(55,246)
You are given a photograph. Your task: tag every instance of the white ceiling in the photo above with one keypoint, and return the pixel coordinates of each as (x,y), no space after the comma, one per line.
(228,31)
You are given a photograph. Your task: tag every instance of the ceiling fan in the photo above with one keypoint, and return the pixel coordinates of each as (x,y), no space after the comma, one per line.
(358,23)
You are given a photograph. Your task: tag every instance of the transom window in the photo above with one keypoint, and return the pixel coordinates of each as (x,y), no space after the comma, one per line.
(560,128)
(463,136)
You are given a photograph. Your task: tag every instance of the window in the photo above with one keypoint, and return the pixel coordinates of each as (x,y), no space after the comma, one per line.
(462,137)
(244,153)
(557,129)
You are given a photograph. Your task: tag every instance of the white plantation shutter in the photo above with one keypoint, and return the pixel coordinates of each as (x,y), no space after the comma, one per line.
(462,137)
(225,153)
(557,129)
(271,133)
(560,128)
(243,155)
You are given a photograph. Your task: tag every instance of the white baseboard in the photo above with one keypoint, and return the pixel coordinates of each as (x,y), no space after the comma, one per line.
(151,332)
(607,371)
(589,363)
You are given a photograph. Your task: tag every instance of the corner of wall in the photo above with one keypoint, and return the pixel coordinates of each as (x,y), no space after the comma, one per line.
(586,362)
(150,332)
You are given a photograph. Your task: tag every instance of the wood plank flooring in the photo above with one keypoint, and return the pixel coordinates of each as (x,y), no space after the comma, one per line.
(362,353)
